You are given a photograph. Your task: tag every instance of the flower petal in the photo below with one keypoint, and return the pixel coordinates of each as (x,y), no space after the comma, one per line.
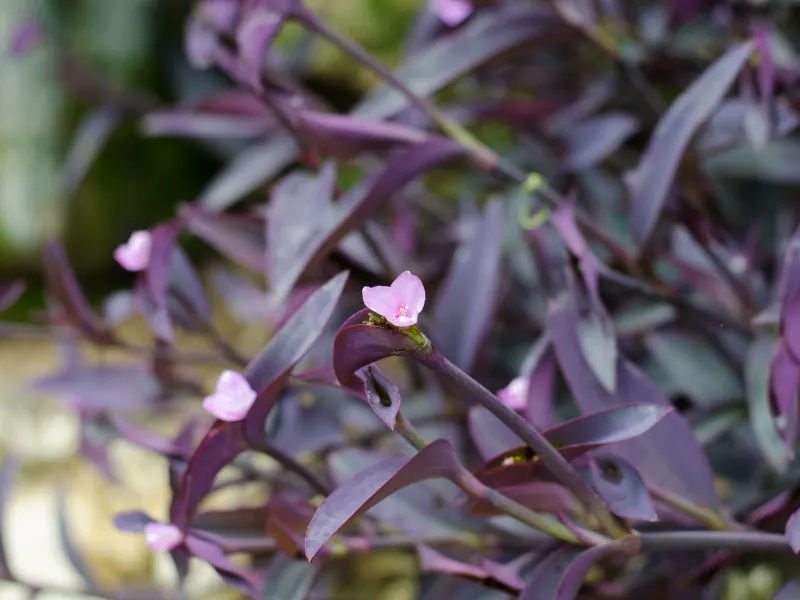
(381,299)
(452,12)
(135,254)
(410,292)
(515,394)
(162,536)
(227,408)
(232,383)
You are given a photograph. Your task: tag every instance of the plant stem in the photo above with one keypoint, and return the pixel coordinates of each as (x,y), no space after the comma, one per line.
(290,464)
(550,457)
(472,486)
(715,540)
(707,516)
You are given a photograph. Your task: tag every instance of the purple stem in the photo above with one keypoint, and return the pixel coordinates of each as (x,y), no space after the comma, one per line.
(715,540)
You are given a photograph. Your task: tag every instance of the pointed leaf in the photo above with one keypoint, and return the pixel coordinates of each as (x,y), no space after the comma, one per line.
(467,298)
(65,290)
(562,573)
(590,142)
(484,38)
(650,183)
(363,200)
(382,394)
(288,579)
(157,277)
(599,347)
(621,486)
(238,243)
(542,367)
(242,578)
(541,496)
(790,591)
(107,387)
(369,487)
(489,573)
(756,374)
(132,522)
(668,455)
(491,437)
(92,134)
(68,547)
(784,381)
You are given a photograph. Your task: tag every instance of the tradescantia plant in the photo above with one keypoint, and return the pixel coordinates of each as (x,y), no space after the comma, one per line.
(604,270)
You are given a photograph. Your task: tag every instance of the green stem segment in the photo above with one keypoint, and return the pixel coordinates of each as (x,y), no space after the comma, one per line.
(550,457)
(472,486)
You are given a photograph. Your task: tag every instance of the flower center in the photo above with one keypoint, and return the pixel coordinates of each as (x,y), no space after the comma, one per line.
(401,312)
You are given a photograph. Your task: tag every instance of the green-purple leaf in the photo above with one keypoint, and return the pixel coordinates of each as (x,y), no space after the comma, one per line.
(467,298)
(370,486)
(561,575)
(650,183)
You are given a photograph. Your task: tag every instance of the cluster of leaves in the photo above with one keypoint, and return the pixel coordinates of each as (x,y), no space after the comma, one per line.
(651,312)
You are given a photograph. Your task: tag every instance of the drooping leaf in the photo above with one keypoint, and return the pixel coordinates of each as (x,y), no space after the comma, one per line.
(237,241)
(793,532)
(484,38)
(599,346)
(650,183)
(370,486)
(10,293)
(65,290)
(668,455)
(288,579)
(756,374)
(465,302)
(621,486)
(562,573)
(244,579)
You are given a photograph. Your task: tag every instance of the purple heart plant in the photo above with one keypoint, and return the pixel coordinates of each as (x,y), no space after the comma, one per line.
(586,207)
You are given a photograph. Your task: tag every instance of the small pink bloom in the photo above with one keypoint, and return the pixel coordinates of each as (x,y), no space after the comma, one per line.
(135,254)
(162,536)
(452,12)
(232,399)
(515,394)
(399,303)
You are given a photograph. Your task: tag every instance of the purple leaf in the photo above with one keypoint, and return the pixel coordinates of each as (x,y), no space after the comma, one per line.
(95,436)
(793,532)
(790,591)
(25,35)
(542,367)
(599,345)
(287,347)
(621,486)
(370,486)
(466,301)
(487,572)
(288,579)
(363,200)
(357,345)
(240,243)
(789,292)
(64,288)
(253,36)
(221,445)
(248,171)
(541,496)
(107,387)
(10,293)
(561,574)
(650,183)
(382,394)
(93,132)
(164,240)
(344,137)
(592,141)
(784,381)
(491,437)
(132,522)
(185,283)
(669,455)
(299,206)
(8,475)
(242,578)
(574,439)
(483,39)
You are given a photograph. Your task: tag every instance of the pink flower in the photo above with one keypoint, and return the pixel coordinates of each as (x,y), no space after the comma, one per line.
(135,254)
(400,303)
(515,394)
(452,12)
(162,536)
(232,399)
